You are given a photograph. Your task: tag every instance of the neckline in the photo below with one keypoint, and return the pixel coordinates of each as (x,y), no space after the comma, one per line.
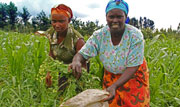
(115,46)
(65,38)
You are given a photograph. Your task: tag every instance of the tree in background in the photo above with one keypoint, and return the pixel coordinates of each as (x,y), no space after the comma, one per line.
(142,23)
(146,25)
(3,15)
(23,25)
(145,22)
(9,20)
(12,14)
(25,16)
(134,22)
(90,27)
(178,28)
(43,21)
(85,28)
(77,24)
(34,24)
(151,24)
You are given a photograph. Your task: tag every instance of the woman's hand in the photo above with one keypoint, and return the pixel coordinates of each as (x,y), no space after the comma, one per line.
(76,69)
(76,65)
(112,92)
(126,76)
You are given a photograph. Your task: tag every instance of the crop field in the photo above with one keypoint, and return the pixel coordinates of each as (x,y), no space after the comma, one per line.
(22,54)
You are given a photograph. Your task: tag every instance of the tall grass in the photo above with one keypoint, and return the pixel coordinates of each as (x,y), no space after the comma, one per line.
(21,57)
(163,57)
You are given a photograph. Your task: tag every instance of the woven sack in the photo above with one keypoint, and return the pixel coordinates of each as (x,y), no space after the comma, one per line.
(88,98)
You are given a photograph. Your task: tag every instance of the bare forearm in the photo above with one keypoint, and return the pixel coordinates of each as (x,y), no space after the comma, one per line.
(127,75)
(79,58)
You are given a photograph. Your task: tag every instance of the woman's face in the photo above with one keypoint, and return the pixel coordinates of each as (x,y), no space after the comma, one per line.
(59,22)
(116,20)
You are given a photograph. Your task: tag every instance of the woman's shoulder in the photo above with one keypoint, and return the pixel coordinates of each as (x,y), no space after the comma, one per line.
(134,32)
(132,29)
(74,32)
(40,33)
(102,31)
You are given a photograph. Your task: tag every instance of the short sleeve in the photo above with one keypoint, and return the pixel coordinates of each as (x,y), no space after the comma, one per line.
(136,51)
(91,47)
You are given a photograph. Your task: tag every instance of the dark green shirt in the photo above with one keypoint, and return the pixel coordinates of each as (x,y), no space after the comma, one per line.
(66,50)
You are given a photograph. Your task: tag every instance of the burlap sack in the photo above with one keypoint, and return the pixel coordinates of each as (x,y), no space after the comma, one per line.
(88,98)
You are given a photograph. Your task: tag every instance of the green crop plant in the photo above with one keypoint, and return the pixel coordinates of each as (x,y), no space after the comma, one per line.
(74,86)
(163,57)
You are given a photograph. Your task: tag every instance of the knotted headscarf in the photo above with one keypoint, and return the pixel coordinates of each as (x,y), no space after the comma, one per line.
(117,4)
(62,9)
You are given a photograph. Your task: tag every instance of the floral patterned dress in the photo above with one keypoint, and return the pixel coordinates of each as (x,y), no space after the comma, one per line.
(128,53)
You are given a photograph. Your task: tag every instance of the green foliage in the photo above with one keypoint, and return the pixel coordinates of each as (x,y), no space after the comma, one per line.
(169,33)
(12,14)
(3,15)
(142,23)
(18,47)
(21,57)
(25,15)
(74,86)
(178,28)
(96,68)
(35,24)
(10,22)
(19,54)
(163,57)
(43,21)
(85,28)
(148,33)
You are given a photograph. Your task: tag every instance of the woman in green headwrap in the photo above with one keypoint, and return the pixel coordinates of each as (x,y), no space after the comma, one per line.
(120,47)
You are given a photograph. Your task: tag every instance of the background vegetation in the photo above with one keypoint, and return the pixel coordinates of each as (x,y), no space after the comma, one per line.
(13,20)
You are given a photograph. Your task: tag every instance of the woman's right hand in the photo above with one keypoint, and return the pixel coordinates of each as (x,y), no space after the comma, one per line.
(76,65)
(76,69)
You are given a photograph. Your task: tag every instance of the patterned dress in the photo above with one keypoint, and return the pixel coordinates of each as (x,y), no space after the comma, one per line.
(128,53)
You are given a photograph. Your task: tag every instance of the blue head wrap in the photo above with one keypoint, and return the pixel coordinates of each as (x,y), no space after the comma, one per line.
(117,4)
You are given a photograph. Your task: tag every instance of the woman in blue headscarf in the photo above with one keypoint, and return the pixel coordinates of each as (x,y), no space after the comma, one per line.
(121,50)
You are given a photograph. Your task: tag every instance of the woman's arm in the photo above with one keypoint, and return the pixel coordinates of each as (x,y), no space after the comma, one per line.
(51,54)
(126,76)
(76,65)
(90,49)
(40,33)
(80,43)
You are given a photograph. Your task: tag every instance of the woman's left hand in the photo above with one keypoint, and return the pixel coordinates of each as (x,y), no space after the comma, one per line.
(126,76)
(112,92)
